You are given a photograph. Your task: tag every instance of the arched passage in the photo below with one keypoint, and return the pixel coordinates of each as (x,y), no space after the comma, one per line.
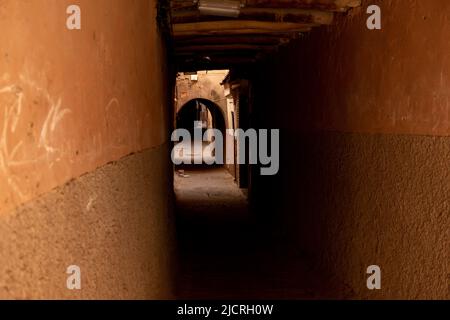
(203,111)
(200,110)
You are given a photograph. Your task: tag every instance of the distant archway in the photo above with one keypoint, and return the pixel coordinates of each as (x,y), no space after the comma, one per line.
(194,110)
(210,116)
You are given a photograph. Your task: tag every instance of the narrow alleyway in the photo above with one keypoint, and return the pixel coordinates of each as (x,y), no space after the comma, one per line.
(223,252)
(347,101)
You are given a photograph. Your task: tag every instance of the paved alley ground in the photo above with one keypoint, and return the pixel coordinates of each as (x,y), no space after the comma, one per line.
(223,253)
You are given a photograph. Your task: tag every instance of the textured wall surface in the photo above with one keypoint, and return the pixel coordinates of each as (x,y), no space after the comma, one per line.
(393,80)
(74,100)
(71,104)
(365,170)
(113,223)
(364,199)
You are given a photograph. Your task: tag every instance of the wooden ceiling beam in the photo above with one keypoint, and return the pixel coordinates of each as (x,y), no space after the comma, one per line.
(251,33)
(329,5)
(238,39)
(183,4)
(239,32)
(224,47)
(237,27)
(260,14)
(213,56)
(208,42)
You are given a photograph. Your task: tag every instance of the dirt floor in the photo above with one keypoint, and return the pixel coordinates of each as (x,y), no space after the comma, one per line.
(223,254)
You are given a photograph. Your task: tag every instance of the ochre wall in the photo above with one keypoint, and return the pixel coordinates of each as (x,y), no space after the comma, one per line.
(84,176)
(114,223)
(365,173)
(393,80)
(74,100)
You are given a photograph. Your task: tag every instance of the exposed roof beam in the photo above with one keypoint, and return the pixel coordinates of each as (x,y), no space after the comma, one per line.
(242,33)
(331,5)
(224,47)
(260,14)
(263,25)
(238,27)
(243,39)
(238,32)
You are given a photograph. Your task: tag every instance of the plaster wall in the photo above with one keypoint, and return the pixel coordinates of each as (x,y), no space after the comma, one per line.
(74,100)
(365,172)
(84,175)
(114,223)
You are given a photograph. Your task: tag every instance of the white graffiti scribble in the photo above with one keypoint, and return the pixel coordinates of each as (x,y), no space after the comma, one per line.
(15,96)
(11,116)
(111,103)
(54,115)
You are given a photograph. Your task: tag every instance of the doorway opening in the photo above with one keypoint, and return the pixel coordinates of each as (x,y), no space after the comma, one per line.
(202,115)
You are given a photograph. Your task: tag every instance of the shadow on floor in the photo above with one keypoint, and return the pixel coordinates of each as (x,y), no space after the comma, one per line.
(223,254)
